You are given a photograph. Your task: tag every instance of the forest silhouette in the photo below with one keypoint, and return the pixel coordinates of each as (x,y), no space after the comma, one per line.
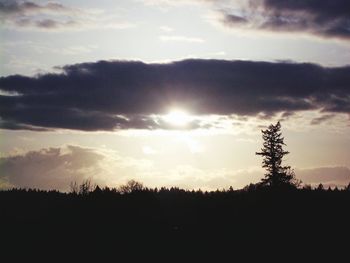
(276,218)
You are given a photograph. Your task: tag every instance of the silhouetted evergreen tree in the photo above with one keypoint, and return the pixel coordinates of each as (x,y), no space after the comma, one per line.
(272,152)
(320,187)
(347,188)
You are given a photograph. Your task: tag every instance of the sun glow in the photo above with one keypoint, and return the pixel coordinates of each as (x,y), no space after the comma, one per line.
(177,118)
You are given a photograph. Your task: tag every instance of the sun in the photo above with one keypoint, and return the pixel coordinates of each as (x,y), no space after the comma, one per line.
(177,118)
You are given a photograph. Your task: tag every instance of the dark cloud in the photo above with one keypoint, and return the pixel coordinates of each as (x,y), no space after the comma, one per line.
(10,125)
(287,114)
(52,168)
(230,19)
(109,95)
(26,14)
(319,17)
(44,23)
(47,23)
(51,24)
(322,119)
(13,7)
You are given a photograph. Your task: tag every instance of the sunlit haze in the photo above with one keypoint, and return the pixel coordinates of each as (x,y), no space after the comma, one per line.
(177,118)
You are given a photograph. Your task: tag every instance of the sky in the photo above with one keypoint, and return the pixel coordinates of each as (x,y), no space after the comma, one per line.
(172,93)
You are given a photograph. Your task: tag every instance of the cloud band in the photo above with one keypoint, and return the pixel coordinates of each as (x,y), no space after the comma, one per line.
(108,95)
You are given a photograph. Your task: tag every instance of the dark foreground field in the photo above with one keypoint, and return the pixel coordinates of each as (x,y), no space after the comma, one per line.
(173,224)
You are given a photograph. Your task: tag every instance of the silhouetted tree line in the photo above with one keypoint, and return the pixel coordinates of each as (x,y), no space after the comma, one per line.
(133,187)
(138,222)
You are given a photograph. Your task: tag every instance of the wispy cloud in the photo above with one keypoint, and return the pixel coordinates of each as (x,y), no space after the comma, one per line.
(26,15)
(178,38)
(323,118)
(166,28)
(168,3)
(9,7)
